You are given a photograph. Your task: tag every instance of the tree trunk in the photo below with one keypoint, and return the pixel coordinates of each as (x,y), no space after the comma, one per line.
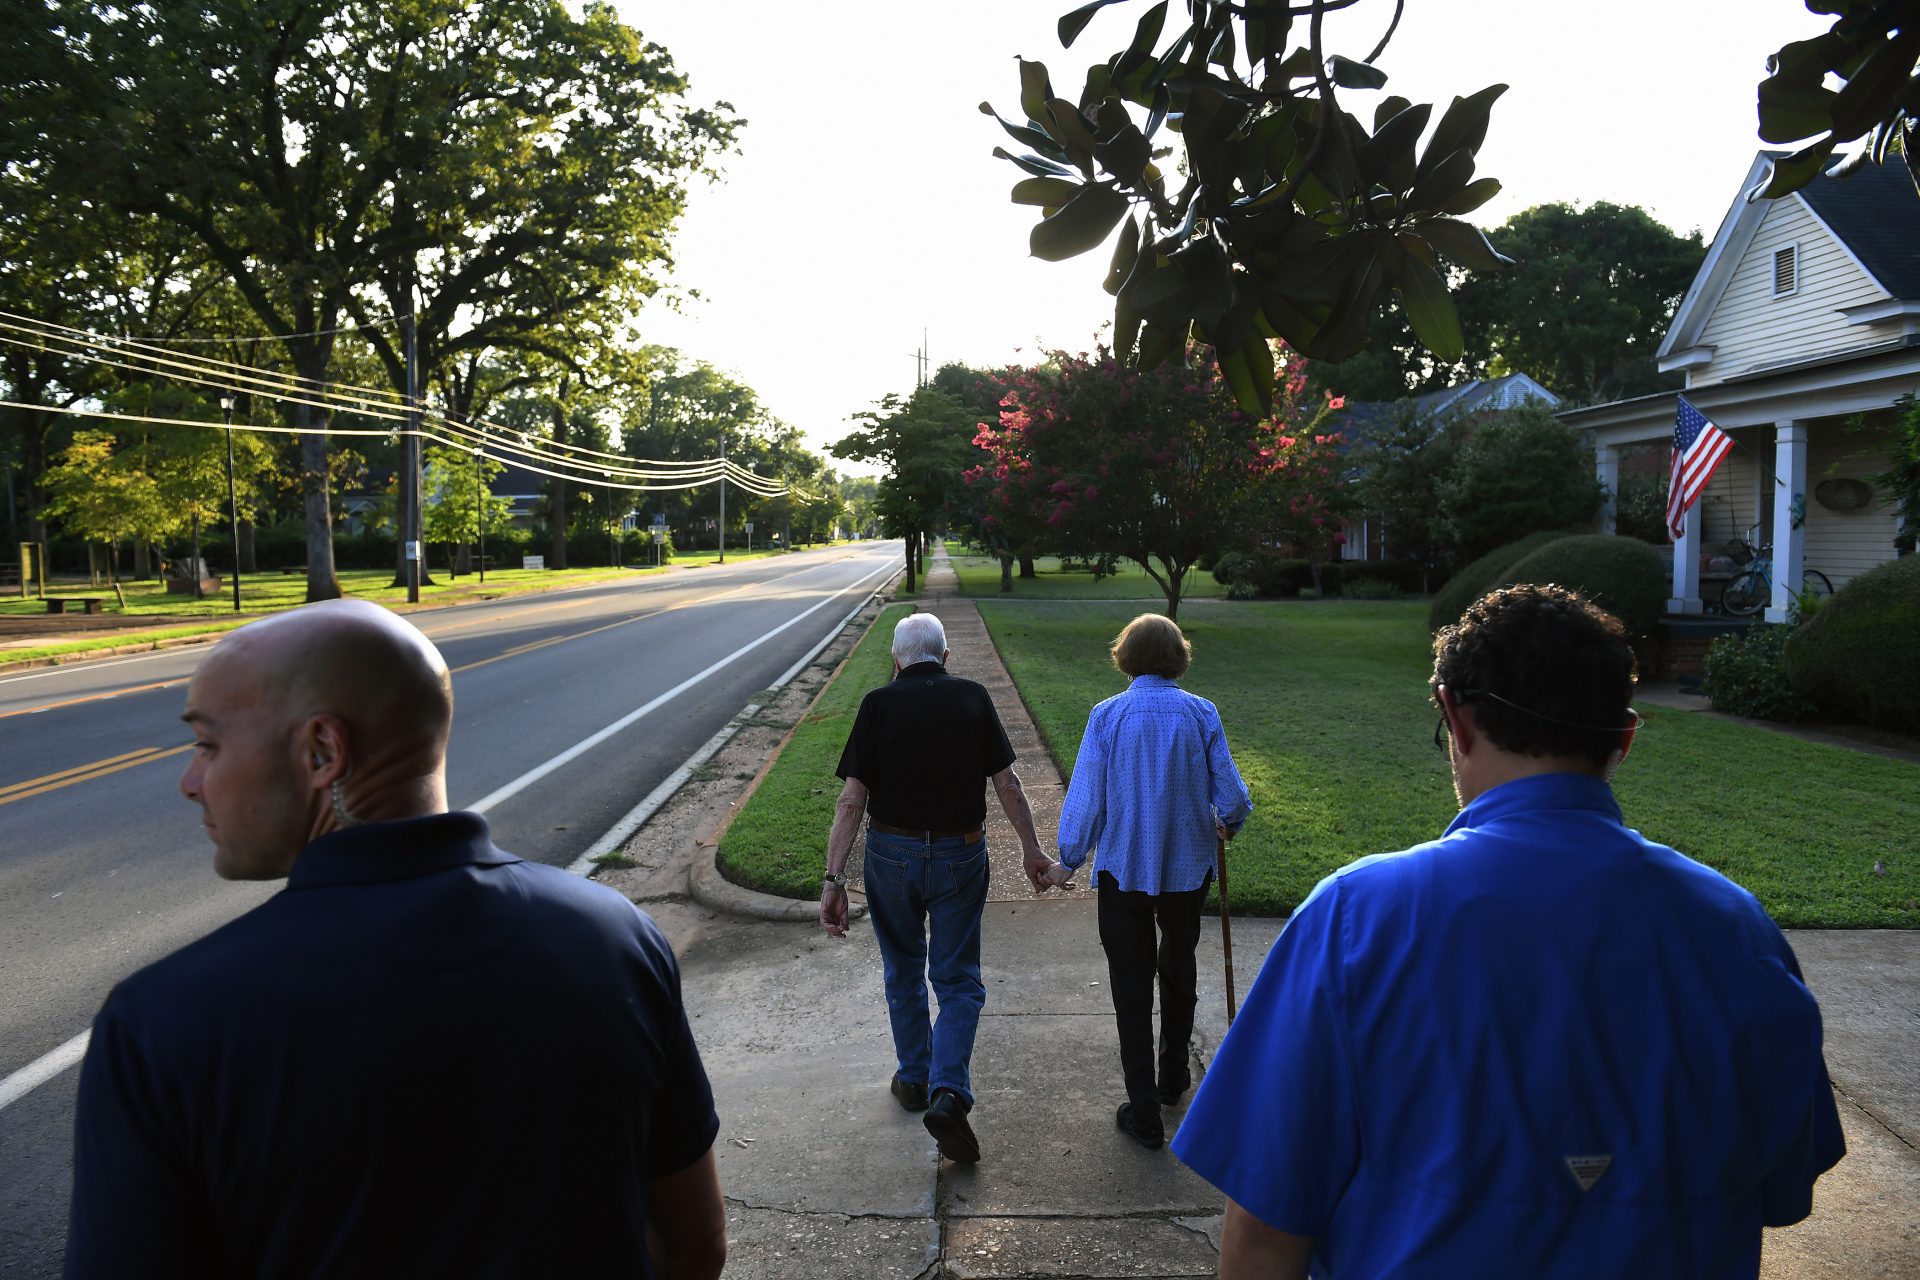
(1313,570)
(198,565)
(920,551)
(93,566)
(1026,567)
(463,560)
(142,560)
(1006,572)
(910,585)
(1174,580)
(244,557)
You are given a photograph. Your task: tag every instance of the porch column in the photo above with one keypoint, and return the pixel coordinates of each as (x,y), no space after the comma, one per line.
(1789,543)
(1686,567)
(1606,468)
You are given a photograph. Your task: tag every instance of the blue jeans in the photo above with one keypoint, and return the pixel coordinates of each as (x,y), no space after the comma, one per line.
(925,901)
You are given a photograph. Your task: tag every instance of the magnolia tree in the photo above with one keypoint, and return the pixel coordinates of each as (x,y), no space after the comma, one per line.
(1161,466)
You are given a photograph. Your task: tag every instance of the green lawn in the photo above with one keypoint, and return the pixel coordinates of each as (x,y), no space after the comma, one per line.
(980,576)
(779,841)
(1325,707)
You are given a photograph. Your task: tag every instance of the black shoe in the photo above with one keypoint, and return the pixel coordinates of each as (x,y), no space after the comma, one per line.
(1133,1122)
(946,1120)
(913,1097)
(1173,1088)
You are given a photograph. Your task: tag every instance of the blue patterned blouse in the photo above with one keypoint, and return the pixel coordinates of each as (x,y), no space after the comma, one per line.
(1152,773)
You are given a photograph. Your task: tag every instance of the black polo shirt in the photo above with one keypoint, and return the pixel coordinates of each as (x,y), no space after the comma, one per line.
(424,1057)
(925,745)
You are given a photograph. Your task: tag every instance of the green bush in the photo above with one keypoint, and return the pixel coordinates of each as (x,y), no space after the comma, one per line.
(1404,574)
(1482,576)
(1859,656)
(1278,577)
(1371,589)
(1747,676)
(1241,590)
(1625,576)
(1231,568)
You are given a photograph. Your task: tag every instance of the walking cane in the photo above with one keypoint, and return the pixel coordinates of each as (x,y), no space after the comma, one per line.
(1226,923)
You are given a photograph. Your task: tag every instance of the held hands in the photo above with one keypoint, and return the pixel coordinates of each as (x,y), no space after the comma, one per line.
(1045,873)
(833,909)
(1060,876)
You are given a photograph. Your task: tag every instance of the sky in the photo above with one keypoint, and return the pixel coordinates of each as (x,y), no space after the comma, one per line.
(865,205)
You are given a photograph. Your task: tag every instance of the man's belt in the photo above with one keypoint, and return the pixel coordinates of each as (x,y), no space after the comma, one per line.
(918,833)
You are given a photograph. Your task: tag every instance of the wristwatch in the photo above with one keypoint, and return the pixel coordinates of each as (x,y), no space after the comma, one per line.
(835,878)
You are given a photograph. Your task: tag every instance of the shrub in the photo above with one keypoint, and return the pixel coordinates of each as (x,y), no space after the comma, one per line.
(1859,656)
(1521,469)
(1231,568)
(1625,576)
(1371,589)
(1278,577)
(1747,676)
(1480,577)
(1404,574)
(1241,590)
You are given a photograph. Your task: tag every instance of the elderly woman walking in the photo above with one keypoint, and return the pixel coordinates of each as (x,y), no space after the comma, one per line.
(1153,787)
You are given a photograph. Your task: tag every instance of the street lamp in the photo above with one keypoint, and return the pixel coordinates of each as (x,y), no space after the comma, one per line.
(233,506)
(479,511)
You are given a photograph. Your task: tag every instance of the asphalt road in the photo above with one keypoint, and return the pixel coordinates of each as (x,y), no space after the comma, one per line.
(104,867)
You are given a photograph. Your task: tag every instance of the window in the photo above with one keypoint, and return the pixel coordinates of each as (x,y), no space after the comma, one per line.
(1786,270)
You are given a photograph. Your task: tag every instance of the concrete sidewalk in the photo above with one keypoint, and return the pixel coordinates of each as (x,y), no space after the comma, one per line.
(826,1176)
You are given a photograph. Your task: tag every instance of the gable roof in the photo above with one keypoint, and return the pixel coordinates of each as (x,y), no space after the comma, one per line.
(1875,216)
(1875,212)
(1366,421)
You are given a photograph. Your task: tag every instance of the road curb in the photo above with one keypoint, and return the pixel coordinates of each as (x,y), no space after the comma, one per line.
(717,893)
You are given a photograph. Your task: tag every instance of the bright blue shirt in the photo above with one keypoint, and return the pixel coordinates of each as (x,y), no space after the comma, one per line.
(1541,1045)
(1152,774)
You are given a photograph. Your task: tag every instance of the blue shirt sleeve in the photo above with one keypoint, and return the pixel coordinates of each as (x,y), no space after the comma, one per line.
(1231,801)
(1084,815)
(1275,1123)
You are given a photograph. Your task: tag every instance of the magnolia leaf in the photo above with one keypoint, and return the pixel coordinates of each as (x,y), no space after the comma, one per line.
(1145,35)
(1035,89)
(1126,251)
(1463,126)
(1790,173)
(1794,109)
(1472,196)
(1034,164)
(1048,193)
(1387,156)
(1349,74)
(1390,106)
(1027,135)
(1464,243)
(1079,225)
(1072,24)
(1430,309)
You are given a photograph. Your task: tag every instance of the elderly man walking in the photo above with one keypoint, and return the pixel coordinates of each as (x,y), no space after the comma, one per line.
(915,764)
(423,1057)
(1540,1045)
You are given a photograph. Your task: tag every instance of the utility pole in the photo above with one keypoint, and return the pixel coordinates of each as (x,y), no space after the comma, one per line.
(410,483)
(723,494)
(233,505)
(479,509)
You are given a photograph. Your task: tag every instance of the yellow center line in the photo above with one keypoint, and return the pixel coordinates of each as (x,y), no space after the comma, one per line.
(92,697)
(476,622)
(86,773)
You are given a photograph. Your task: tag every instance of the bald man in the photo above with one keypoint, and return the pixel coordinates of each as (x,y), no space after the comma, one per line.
(425,1057)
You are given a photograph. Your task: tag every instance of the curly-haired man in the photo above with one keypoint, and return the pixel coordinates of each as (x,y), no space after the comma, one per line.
(1539,1045)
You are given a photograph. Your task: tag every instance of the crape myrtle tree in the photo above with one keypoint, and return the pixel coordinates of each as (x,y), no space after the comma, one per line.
(503,160)
(1303,497)
(1286,215)
(1161,465)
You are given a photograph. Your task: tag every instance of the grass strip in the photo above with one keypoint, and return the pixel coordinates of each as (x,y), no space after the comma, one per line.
(980,576)
(1326,710)
(778,842)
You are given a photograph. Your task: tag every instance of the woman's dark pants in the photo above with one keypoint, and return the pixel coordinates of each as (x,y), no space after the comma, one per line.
(1134,960)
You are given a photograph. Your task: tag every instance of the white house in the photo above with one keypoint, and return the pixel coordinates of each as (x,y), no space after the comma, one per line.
(1805,314)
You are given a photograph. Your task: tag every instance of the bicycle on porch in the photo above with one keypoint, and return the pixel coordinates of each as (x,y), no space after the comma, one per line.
(1751,590)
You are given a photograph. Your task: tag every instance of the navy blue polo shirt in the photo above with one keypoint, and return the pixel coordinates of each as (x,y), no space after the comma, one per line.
(924,745)
(425,1057)
(1541,1045)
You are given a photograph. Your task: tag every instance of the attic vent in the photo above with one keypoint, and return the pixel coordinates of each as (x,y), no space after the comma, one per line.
(1785,270)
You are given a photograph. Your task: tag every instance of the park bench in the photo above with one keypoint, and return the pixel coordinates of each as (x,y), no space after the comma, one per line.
(75,604)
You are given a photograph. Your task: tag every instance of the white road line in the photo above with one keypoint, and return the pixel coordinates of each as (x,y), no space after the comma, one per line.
(617,834)
(42,1069)
(588,743)
(48,1065)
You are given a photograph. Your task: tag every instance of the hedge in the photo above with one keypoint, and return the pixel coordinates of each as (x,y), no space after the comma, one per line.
(1482,576)
(1274,576)
(1625,576)
(1859,656)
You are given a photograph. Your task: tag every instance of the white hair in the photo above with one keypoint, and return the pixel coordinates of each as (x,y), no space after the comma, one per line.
(919,638)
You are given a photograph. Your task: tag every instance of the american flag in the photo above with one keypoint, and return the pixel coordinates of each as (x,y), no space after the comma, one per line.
(1698,447)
